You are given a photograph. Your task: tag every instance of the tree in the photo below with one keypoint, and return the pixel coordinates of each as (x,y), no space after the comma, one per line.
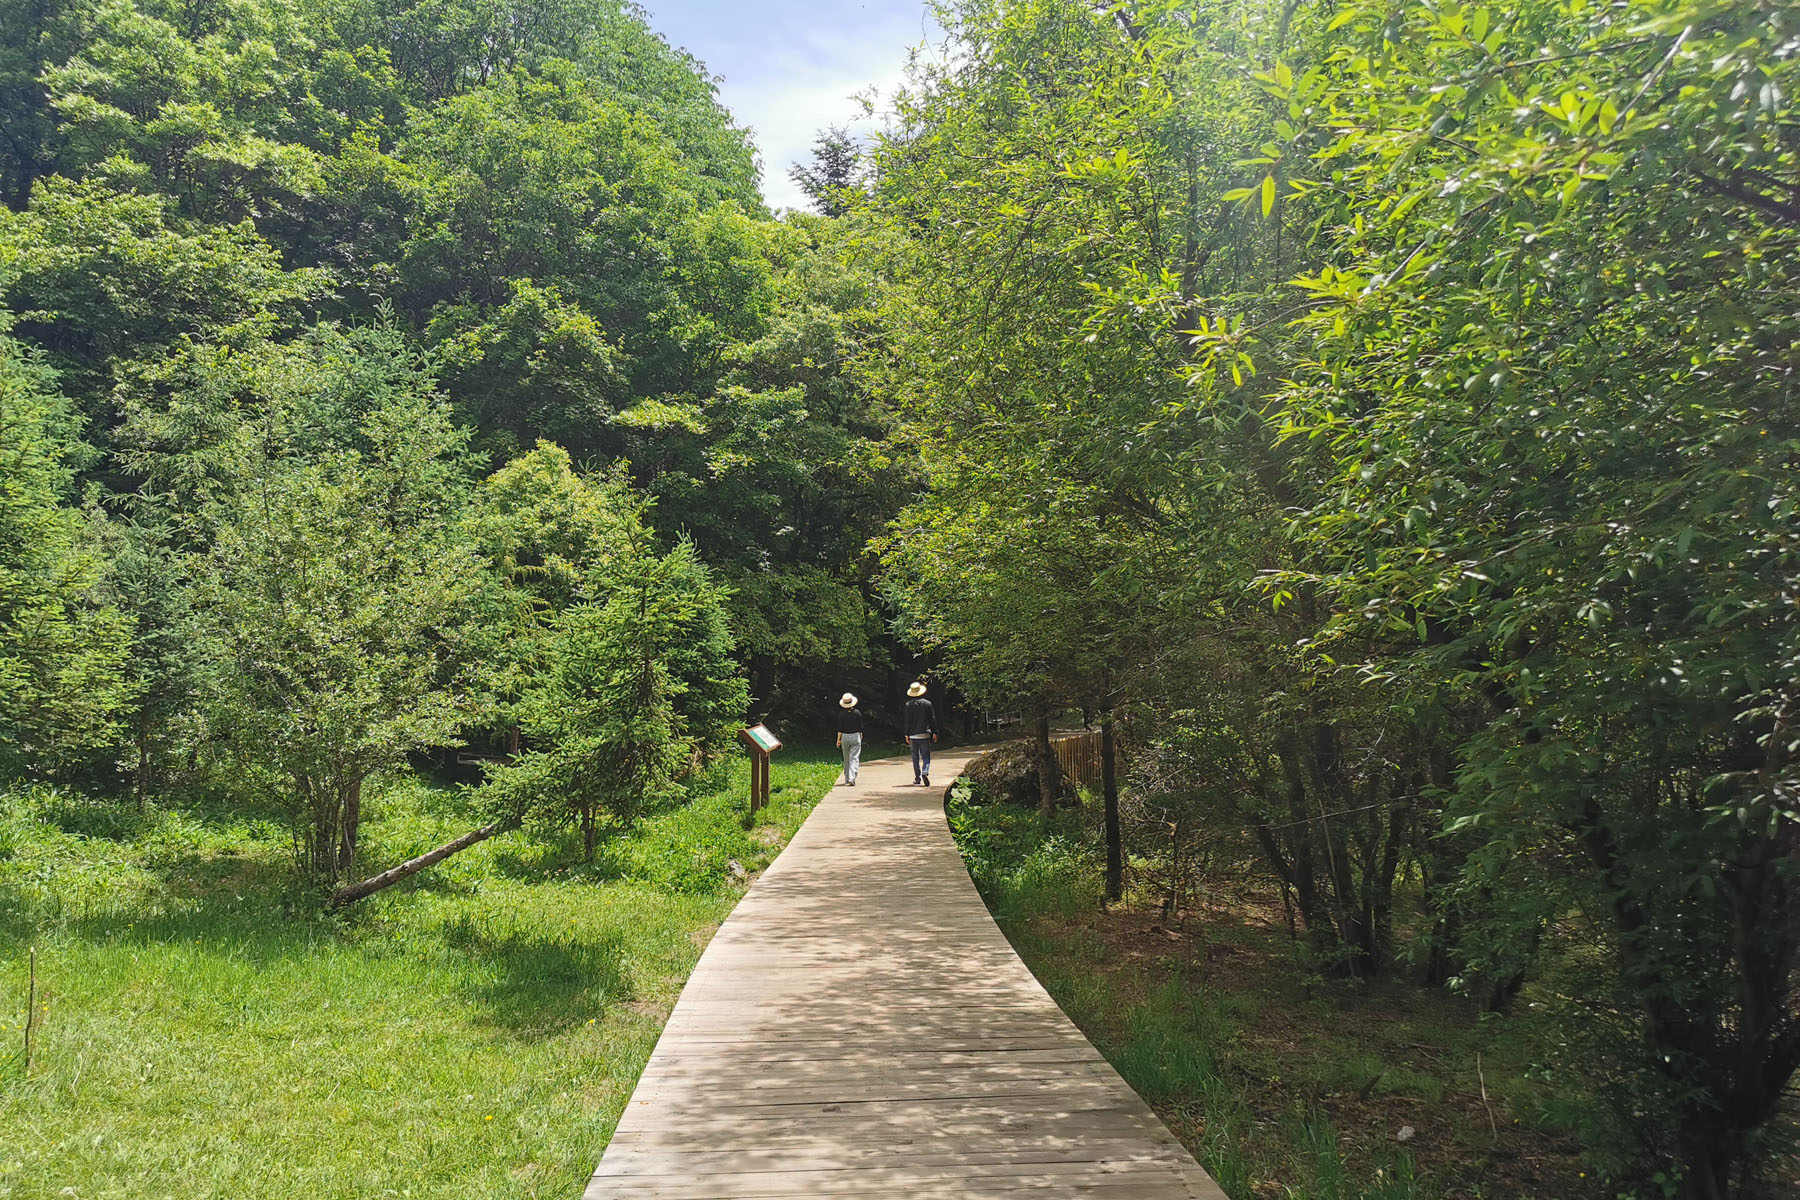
(208,105)
(63,644)
(783,474)
(30,37)
(560,253)
(100,279)
(550,538)
(550,198)
(636,685)
(439,51)
(1444,350)
(1028,216)
(614,660)
(1052,616)
(170,661)
(333,577)
(1555,478)
(836,175)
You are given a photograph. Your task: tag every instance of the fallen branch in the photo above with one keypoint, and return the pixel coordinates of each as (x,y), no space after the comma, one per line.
(352,892)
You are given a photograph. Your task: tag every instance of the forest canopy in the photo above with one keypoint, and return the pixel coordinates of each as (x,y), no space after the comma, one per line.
(381,379)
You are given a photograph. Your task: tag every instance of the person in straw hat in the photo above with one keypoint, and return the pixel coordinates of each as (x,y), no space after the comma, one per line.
(921,731)
(850,731)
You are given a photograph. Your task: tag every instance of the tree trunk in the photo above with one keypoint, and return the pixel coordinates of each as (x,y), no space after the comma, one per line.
(1332,787)
(141,776)
(762,682)
(1296,835)
(1109,782)
(412,866)
(589,832)
(322,840)
(1708,1164)
(1442,963)
(1046,766)
(350,817)
(1379,891)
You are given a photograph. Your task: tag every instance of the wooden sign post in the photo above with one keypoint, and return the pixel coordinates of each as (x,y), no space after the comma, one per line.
(762,743)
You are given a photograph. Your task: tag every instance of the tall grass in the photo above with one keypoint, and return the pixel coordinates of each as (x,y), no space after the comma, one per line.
(206,1031)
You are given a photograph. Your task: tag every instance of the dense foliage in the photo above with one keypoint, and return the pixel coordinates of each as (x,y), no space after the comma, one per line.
(1397,402)
(379,379)
(1383,413)
(62,639)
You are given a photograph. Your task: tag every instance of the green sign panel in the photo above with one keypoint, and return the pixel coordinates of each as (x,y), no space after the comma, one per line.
(760,737)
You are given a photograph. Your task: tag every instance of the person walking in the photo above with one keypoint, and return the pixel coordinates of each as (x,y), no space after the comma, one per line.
(850,731)
(921,731)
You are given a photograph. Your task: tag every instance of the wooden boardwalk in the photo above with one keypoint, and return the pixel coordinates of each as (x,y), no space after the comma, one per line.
(859,1027)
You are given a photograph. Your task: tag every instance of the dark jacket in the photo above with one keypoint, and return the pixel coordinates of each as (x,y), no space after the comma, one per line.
(921,717)
(850,720)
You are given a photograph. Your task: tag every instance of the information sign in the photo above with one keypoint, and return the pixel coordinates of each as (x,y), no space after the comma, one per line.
(763,742)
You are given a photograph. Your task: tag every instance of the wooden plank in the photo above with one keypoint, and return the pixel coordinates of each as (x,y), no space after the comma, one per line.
(698,1059)
(1114,1138)
(859,1027)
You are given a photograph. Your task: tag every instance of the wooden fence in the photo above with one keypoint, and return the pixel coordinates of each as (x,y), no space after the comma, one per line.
(1079,754)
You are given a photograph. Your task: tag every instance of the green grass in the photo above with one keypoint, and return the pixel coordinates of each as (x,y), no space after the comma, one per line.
(208,1032)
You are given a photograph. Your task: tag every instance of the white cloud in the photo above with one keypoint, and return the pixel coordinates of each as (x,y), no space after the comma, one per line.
(789,70)
(786,115)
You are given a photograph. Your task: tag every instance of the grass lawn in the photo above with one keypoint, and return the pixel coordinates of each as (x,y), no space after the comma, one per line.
(1284,1085)
(474,1032)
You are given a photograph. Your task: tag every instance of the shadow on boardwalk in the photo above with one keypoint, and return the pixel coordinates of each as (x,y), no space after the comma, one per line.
(859,1026)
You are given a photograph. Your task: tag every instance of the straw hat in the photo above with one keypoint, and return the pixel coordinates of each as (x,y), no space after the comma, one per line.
(917,689)
(849,701)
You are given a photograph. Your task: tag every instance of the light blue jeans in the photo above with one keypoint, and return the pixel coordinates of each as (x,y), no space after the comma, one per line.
(852,747)
(921,748)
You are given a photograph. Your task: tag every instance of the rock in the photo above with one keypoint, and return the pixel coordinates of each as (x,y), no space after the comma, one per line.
(1008,774)
(1405,1134)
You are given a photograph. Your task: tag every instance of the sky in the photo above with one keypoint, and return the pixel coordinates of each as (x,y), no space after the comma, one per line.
(790,68)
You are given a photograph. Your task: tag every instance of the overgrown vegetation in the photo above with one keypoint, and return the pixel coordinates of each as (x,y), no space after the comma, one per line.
(1284,1083)
(1388,411)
